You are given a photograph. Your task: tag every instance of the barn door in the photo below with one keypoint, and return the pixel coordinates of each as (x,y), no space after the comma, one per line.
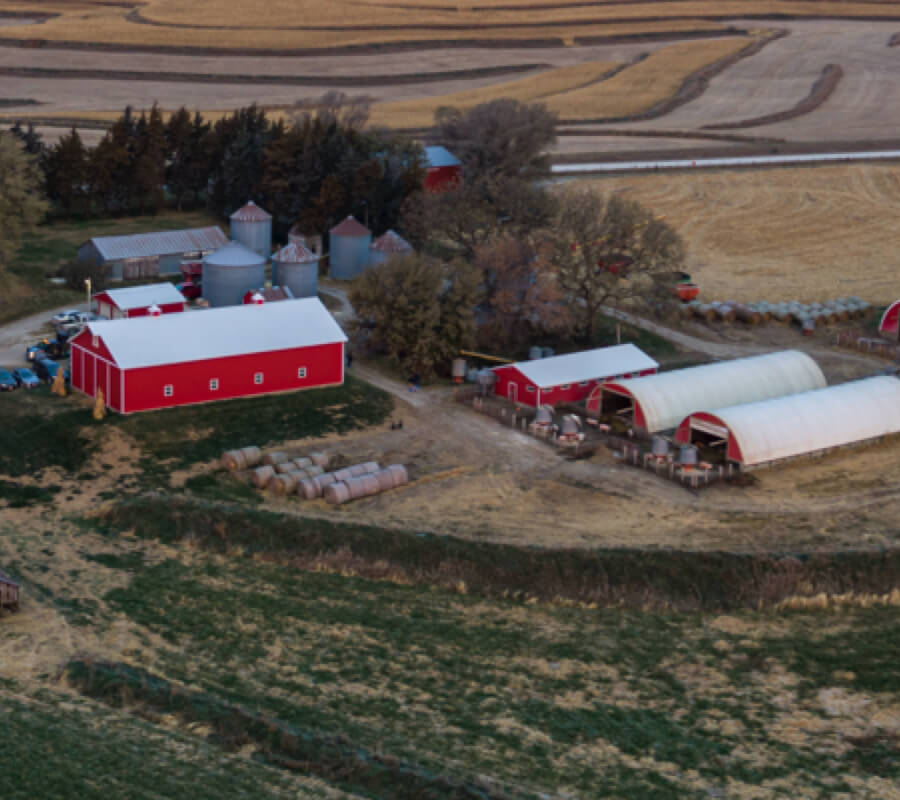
(512,392)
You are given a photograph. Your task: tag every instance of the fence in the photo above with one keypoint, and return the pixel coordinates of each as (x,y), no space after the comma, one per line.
(859,339)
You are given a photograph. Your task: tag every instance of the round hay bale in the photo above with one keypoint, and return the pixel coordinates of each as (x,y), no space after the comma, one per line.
(274,458)
(285,466)
(262,476)
(252,456)
(303,463)
(233,460)
(307,489)
(284,483)
(343,474)
(371,466)
(385,479)
(399,474)
(358,469)
(312,470)
(319,459)
(337,493)
(323,480)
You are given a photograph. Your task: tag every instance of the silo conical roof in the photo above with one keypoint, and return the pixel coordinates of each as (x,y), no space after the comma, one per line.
(234,254)
(391,242)
(294,253)
(250,213)
(350,227)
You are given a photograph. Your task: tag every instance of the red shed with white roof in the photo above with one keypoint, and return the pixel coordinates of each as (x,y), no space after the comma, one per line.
(569,378)
(135,301)
(205,356)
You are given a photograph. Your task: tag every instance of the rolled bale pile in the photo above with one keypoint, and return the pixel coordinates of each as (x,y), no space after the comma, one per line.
(337,493)
(748,314)
(704,311)
(302,463)
(366,468)
(306,488)
(391,477)
(726,312)
(286,483)
(274,458)
(262,476)
(312,471)
(285,467)
(319,459)
(244,458)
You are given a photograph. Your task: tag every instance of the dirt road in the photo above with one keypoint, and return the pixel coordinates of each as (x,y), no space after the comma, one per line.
(15,336)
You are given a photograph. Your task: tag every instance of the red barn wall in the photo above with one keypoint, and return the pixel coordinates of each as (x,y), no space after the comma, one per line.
(683,434)
(165,308)
(551,395)
(190,381)
(439,179)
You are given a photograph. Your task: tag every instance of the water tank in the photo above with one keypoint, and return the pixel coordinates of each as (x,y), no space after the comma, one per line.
(544,417)
(486,377)
(349,249)
(230,272)
(252,227)
(297,267)
(659,446)
(389,245)
(569,426)
(458,369)
(688,455)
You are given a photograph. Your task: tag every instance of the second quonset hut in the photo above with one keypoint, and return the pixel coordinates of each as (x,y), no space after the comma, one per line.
(205,356)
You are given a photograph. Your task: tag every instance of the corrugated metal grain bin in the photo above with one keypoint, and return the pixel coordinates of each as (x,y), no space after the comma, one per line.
(348,249)
(297,268)
(388,246)
(252,227)
(229,273)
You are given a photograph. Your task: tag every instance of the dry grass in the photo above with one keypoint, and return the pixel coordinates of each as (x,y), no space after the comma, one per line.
(782,234)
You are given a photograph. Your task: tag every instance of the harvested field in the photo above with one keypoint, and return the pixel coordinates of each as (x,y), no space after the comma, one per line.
(781,234)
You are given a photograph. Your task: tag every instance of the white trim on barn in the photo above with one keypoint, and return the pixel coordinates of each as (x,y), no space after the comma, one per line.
(585,366)
(144,296)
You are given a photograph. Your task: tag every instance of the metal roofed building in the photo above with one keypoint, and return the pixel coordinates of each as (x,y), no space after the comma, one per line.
(800,424)
(348,249)
(230,272)
(387,246)
(144,255)
(443,170)
(205,356)
(135,301)
(661,402)
(297,267)
(569,378)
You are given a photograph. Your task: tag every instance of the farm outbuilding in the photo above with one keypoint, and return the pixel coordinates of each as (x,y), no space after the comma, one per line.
(296,267)
(146,255)
(135,301)
(230,272)
(662,401)
(271,295)
(388,246)
(569,378)
(349,249)
(799,424)
(9,592)
(443,170)
(252,227)
(206,356)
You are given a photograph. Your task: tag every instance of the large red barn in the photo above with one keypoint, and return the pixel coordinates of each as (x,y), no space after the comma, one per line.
(136,301)
(443,169)
(569,378)
(205,356)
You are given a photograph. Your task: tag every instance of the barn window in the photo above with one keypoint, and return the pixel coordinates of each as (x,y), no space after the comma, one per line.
(214,384)
(301,372)
(258,378)
(582,383)
(566,386)
(529,388)
(168,390)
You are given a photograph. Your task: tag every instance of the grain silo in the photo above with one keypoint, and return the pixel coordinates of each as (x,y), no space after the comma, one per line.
(349,249)
(230,272)
(297,268)
(387,247)
(252,227)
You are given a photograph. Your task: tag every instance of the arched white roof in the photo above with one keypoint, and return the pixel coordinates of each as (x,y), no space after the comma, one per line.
(812,421)
(667,398)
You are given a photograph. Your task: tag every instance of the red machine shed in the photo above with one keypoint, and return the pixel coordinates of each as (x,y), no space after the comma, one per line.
(135,301)
(889,320)
(569,378)
(206,356)
(443,169)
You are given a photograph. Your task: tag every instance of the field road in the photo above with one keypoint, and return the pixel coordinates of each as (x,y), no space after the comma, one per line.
(16,335)
(725,161)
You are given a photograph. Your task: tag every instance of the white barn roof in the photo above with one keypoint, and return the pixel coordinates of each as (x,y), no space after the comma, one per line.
(162,243)
(806,423)
(667,398)
(217,333)
(143,296)
(586,365)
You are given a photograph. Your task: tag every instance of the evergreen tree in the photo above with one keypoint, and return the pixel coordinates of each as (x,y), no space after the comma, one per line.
(66,172)
(22,204)
(178,152)
(150,161)
(112,166)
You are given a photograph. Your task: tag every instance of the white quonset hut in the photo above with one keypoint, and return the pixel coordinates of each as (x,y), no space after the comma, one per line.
(800,424)
(230,272)
(569,378)
(662,401)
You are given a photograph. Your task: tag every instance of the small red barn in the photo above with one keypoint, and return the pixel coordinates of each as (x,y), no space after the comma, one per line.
(206,356)
(569,378)
(443,169)
(135,301)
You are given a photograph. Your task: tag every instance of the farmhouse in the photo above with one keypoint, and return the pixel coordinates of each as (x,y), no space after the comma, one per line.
(799,424)
(145,255)
(662,401)
(205,356)
(443,169)
(569,378)
(135,301)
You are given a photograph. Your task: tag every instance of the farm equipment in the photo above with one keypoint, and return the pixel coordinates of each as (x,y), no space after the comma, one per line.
(685,289)
(49,348)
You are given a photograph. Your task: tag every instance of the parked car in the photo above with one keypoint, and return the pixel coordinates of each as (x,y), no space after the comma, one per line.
(47,348)
(25,377)
(7,381)
(46,370)
(65,316)
(190,290)
(68,330)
